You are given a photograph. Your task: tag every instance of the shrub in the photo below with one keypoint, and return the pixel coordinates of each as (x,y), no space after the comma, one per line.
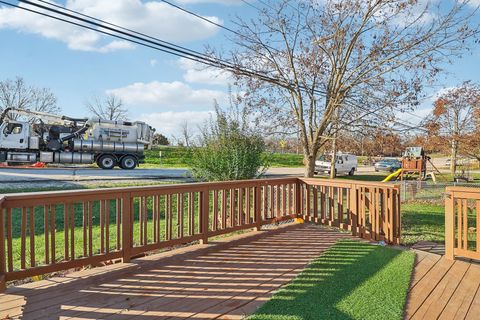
(230,150)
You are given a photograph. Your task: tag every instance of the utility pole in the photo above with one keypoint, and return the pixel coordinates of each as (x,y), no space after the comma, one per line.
(333,160)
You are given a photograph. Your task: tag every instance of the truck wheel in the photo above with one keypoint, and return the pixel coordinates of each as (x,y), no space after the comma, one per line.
(352,172)
(128,163)
(107,162)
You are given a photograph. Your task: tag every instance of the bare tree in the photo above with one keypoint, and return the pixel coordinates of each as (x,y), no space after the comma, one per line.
(17,94)
(454,117)
(368,58)
(110,108)
(187,134)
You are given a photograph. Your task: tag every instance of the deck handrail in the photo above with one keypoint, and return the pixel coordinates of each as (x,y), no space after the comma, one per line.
(45,232)
(462,212)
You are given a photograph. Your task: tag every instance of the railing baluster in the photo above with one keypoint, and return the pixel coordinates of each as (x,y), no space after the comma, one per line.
(66,229)
(118,221)
(232,208)
(240,207)
(459,223)
(145,220)
(102,226)
(32,236)
(248,205)
(127,231)
(340,205)
(224,209)
(45,228)
(3,280)
(191,216)
(90,228)
(23,238)
(204,215)
(107,225)
(72,230)
(53,230)
(9,240)
(180,214)
(315,204)
(215,211)
(258,207)
(84,227)
(465,224)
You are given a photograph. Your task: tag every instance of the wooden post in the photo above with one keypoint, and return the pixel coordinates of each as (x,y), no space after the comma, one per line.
(298,199)
(3,282)
(127,234)
(258,207)
(449,224)
(353,201)
(204,213)
(398,214)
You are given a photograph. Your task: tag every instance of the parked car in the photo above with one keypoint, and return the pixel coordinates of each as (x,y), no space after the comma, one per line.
(345,164)
(390,165)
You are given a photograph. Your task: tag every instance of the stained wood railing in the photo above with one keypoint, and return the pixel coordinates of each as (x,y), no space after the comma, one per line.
(46,232)
(369,210)
(462,222)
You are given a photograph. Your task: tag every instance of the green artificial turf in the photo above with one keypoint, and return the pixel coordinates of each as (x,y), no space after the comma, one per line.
(352,280)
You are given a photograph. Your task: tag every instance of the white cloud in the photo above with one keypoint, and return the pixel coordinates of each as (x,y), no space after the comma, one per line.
(154,18)
(153,62)
(168,95)
(170,123)
(198,73)
(224,2)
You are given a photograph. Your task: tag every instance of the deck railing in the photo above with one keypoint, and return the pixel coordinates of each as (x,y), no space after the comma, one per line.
(46,232)
(462,222)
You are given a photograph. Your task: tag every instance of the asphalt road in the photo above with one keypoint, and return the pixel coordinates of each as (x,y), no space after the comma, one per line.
(84,174)
(25,175)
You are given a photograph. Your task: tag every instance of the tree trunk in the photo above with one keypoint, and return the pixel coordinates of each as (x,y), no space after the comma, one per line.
(309,166)
(453,157)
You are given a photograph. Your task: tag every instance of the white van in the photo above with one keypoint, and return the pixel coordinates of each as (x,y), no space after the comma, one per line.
(346,163)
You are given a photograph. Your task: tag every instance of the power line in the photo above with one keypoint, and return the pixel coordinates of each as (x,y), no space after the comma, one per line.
(116,26)
(151,42)
(201,17)
(219,25)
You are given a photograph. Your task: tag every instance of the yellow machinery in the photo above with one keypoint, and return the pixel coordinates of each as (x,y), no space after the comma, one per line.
(392,175)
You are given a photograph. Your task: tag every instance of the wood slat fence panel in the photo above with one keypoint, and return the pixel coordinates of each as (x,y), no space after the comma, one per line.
(47,232)
(462,223)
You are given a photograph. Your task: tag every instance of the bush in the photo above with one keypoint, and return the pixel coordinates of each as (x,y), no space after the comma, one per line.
(230,150)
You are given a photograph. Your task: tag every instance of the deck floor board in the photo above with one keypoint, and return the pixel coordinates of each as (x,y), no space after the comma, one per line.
(443,289)
(224,280)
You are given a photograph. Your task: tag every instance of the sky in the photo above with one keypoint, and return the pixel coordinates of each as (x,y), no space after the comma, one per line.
(158,88)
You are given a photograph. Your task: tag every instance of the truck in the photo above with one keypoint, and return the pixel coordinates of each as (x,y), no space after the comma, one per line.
(27,137)
(345,163)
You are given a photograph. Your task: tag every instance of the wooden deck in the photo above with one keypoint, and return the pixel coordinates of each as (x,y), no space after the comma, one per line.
(443,289)
(224,280)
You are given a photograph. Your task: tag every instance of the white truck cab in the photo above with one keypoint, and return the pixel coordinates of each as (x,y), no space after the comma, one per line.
(14,135)
(345,163)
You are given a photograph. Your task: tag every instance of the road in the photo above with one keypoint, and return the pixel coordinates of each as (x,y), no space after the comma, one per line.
(36,175)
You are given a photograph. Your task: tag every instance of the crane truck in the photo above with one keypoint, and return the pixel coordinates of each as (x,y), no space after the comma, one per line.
(33,136)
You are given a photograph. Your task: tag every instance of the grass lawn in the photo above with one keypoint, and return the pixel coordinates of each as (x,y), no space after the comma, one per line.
(180,157)
(352,280)
(422,221)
